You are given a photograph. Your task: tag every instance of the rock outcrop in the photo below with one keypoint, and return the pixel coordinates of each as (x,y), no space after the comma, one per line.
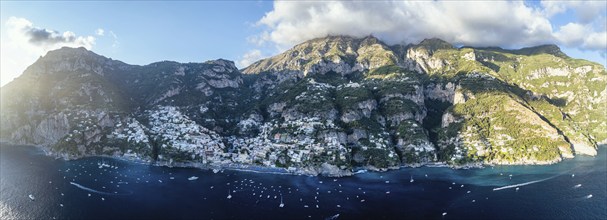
(326,106)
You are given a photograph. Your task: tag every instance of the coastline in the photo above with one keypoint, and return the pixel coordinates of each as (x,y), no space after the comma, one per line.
(307,171)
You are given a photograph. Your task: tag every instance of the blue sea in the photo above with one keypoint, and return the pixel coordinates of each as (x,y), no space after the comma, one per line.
(80,189)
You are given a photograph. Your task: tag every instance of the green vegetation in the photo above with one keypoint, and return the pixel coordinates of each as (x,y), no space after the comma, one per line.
(358,101)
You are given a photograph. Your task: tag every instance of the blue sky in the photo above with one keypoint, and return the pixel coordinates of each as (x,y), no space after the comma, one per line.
(245,31)
(150,31)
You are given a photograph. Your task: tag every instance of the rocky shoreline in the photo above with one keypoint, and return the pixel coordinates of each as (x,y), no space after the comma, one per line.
(327,171)
(327,106)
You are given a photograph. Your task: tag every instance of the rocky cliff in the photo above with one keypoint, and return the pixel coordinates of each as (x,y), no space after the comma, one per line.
(325,106)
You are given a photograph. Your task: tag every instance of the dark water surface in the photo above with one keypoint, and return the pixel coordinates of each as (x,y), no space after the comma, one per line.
(81,190)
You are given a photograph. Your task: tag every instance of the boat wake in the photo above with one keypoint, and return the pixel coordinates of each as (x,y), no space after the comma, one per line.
(99,192)
(333,217)
(521,184)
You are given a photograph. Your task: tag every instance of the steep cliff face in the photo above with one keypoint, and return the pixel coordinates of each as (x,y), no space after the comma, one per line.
(338,54)
(565,92)
(323,107)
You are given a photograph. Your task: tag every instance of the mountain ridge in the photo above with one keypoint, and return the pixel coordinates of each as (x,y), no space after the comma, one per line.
(326,106)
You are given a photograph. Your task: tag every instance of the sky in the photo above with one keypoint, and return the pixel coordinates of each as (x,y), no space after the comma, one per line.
(142,32)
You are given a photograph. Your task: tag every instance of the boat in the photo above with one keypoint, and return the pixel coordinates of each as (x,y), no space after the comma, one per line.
(572,175)
(577,186)
(444,213)
(360,171)
(589,196)
(193,178)
(229,195)
(281,203)
(32,197)
(411,179)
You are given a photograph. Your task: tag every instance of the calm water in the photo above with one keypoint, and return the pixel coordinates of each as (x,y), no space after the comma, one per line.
(81,190)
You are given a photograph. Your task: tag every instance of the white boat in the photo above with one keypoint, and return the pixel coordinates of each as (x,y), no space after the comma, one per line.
(411,179)
(589,196)
(444,213)
(193,178)
(215,170)
(572,175)
(229,195)
(577,186)
(32,197)
(281,204)
(360,171)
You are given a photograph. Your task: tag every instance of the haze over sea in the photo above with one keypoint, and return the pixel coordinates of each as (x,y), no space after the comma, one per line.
(80,189)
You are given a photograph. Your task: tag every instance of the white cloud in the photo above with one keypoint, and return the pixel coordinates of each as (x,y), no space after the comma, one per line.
(572,34)
(22,31)
(586,11)
(116,43)
(249,58)
(509,24)
(582,36)
(99,32)
(24,43)
(477,23)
